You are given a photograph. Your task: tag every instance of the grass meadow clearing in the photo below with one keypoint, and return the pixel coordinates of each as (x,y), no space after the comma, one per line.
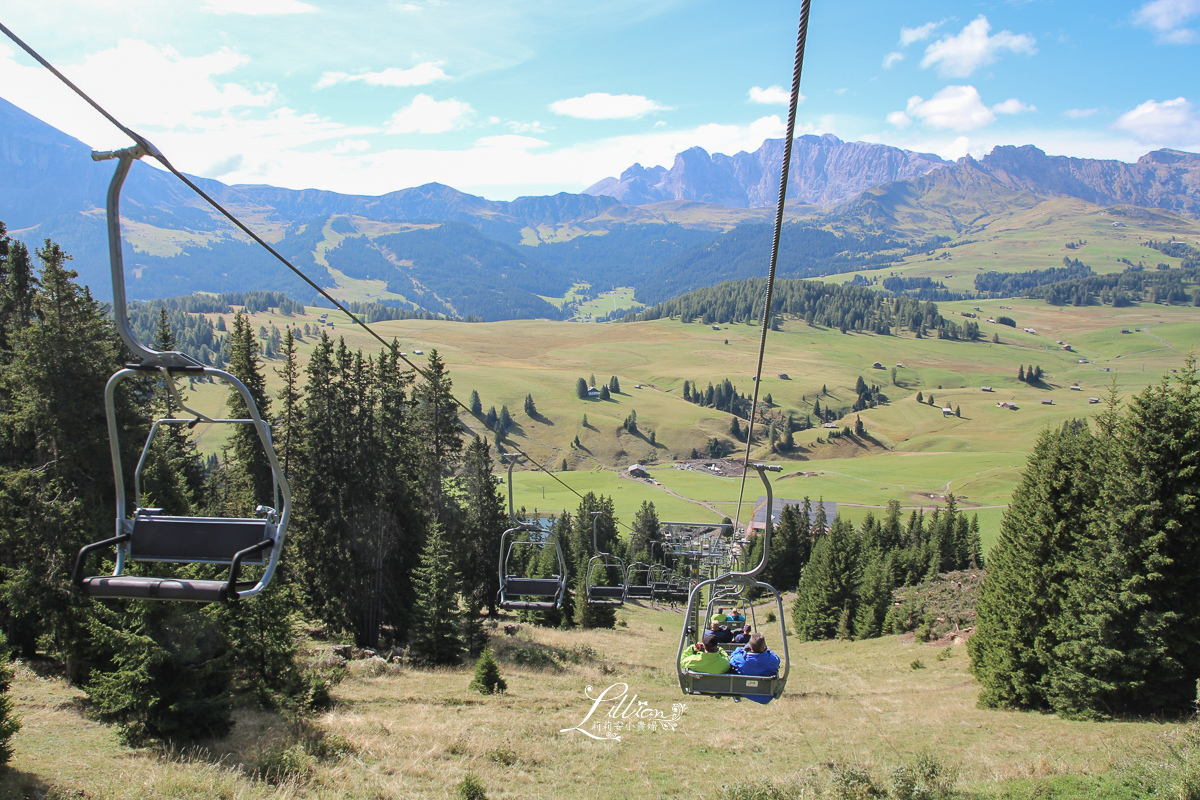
(401,732)
(915,453)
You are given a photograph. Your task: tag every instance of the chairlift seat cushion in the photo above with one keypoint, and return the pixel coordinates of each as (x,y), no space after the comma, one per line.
(639,592)
(528,605)
(206,540)
(144,588)
(532,587)
(605,593)
(732,685)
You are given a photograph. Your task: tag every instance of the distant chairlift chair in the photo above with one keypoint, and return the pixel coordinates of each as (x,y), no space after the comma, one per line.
(603,563)
(529,594)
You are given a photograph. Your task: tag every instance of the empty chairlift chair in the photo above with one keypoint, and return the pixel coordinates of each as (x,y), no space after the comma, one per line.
(600,592)
(519,593)
(148,534)
(638,586)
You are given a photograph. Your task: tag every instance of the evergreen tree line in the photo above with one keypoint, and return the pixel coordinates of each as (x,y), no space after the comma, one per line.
(1033,375)
(1089,607)
(1015,284)
(848,575)
(722,397)
(845,307)
(1076,284)
(395,530)
(1189,254)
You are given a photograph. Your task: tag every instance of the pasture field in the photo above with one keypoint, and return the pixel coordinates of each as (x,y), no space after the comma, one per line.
(401,732)
(1023,239)
(914,453)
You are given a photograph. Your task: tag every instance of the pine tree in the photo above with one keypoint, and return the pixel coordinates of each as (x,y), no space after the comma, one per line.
(170,672)
(483,525)
(56,480)
(604,393)
(1029,569)
(614,385)
(581,389)
(530,408)
(1136,588)
(262,636)
(440,437)
(436,631)
(287,438)
(475,404)
(9,725)
(920,398)
(487,675)
(247,448)
(827,586)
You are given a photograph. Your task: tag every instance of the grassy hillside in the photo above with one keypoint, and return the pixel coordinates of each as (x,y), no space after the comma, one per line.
(915,454)
(397,731)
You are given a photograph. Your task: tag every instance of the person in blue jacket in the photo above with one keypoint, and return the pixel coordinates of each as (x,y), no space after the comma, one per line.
(755,659)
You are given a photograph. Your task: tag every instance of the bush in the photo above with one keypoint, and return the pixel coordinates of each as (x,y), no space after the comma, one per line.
(487,675)
(924,779)
(293,763)
(471,788)
(850,782)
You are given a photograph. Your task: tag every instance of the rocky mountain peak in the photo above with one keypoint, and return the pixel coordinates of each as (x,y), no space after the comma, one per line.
(825,171)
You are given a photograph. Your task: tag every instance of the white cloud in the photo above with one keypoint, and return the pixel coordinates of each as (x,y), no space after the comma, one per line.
(258,7)
(1171,123)
(1012,106)
(426,115)
(771,96)
(601,105)
(1079,113)
(1168,18)
(892,58)
(960,55)
(899,119)
(420,75)
(525,127)
(955,108)
(511,141)
(352,146)
(918,34)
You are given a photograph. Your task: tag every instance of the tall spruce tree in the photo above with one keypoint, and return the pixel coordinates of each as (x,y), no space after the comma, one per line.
(827,587)
(1030,568)
(1124,644)
(483,524)
(246,445)
(56,480)
(437,630)
(9,725)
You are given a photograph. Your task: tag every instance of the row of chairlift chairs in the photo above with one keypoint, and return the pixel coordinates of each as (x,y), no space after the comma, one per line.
(712,559)
(150,535)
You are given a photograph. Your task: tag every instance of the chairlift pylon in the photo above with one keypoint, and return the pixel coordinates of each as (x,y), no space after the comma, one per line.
(149,535)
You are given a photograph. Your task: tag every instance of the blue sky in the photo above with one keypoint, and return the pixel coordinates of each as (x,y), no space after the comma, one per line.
(503,99)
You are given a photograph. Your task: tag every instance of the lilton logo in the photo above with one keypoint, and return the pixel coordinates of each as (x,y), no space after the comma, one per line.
(624,713)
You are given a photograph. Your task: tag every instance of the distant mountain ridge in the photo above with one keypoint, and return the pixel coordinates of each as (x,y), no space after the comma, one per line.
(824,171)
(665,232)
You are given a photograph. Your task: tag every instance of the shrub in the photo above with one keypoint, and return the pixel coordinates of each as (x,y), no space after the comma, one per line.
(287,764)
(487,675)
(924,779)
(850,782)
(471,788)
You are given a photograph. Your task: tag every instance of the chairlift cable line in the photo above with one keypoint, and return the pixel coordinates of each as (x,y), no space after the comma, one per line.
(162,159)
(794,101)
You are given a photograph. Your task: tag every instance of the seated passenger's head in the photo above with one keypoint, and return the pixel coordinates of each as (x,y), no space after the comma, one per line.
(758,643)
(710,643)
(746,629)
(716,626)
